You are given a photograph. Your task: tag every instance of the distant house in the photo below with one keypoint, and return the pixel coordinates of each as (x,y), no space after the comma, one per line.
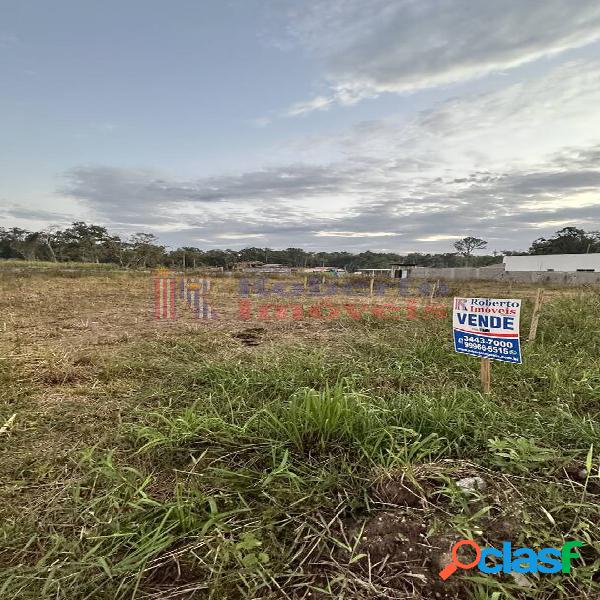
(247,264)
(375,272)
(395,271)
(258,267)
(334,270)
(562,263)
(402,270)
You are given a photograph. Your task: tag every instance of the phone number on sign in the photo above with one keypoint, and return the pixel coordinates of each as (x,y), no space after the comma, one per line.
(478,343)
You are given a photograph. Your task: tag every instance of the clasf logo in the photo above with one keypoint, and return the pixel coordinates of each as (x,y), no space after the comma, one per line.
(507,560)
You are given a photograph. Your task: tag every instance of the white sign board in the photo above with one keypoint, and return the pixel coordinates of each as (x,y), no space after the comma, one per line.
(487,328)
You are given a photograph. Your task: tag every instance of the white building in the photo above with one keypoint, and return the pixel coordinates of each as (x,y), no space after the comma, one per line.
(566,263)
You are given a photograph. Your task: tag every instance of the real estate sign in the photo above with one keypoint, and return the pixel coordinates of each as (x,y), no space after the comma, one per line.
(487,328)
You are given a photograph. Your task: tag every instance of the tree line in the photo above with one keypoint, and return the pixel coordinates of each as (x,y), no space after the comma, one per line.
(82,242)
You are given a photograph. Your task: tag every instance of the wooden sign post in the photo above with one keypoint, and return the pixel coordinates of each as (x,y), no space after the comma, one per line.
(487,328)
(486,375)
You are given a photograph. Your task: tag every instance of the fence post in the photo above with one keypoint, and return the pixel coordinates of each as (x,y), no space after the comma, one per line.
(535,317)
(434,288)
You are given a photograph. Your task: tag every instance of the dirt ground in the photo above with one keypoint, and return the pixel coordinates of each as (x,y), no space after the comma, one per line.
(73,311)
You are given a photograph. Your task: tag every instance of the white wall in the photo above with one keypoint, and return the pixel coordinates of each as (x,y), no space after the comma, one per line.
(557,262)
(486,274)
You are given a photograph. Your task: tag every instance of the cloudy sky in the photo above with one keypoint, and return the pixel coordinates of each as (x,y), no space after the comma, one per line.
(396,125)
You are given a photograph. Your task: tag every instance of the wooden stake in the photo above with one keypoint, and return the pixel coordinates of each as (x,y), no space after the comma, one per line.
(371,285)
(535,317)
(486,375)
(433,290)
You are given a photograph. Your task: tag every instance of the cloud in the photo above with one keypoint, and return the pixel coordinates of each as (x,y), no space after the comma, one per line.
(367,48)
(239,236)
(33,214)
(437,238)
(493,165)
(496,206)
(110,187)
(301,108)
(355,234)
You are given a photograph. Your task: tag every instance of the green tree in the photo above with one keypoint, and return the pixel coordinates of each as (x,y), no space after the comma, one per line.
(469,244)
(144,251)
(81,242)
(19,243)
(569,240)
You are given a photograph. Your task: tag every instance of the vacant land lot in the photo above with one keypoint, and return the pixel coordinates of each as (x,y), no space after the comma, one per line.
(270,459)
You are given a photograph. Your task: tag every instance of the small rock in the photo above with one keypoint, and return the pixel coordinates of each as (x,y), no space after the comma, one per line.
(471,484)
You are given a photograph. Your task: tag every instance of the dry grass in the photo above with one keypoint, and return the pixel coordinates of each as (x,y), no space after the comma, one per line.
(229,459)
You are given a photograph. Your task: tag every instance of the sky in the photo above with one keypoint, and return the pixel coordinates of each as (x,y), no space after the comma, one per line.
(387,125)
